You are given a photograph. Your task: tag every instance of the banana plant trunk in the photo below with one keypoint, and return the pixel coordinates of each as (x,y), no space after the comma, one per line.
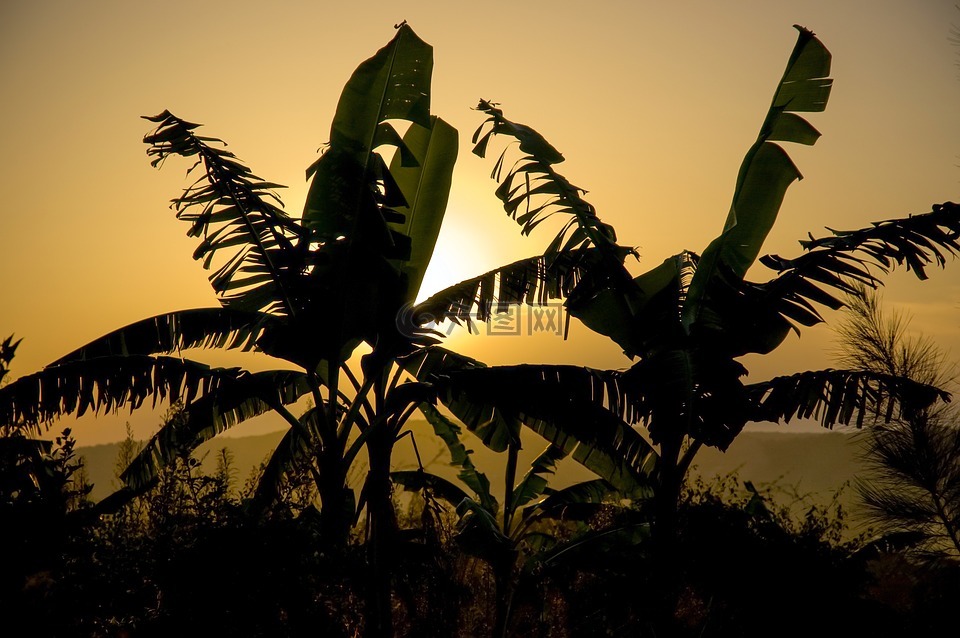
(503,590)
(666,563)
(503,562)
(382,532)
(337,502)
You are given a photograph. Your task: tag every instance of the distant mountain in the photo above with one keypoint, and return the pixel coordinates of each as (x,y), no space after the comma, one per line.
(816,465)
(813,464)
(247,452)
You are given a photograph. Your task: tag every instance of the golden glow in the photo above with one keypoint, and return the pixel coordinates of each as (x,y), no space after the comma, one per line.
(653,106)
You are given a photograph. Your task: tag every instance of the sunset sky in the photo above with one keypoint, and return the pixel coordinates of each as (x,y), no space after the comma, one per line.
(653,104)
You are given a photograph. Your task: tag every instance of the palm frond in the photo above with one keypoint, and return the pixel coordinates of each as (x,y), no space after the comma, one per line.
(106,384)
(581,411)
(530,281)
(294,450)
(230,208)
(532,191)
(494,402)
(176,331)
(519,388)
(840,397)
(429,363)
(594,492)
(842,262)
(233,401)
(604,444)
(495,428)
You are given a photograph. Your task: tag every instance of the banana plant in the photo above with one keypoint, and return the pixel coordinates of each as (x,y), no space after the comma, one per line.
(304,291)
(523,527)
(685,323)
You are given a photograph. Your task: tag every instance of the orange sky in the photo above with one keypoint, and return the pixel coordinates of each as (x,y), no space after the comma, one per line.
(652,104)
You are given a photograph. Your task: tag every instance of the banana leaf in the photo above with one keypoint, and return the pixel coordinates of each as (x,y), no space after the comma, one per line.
(766,171)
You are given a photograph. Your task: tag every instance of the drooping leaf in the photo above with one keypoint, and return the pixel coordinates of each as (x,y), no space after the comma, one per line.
(402,399)
(175,331)
(844,260)
(527,281)
(536,389)
(230,208)
(232,402)
(532,190)
(426,364)
(580,411)
(642,317)
(738,319)
(604,544)
(479,534)
(494,402)
(495,428)
(595,491)
(294,450)
(106,384)
(604,444)
(840,397)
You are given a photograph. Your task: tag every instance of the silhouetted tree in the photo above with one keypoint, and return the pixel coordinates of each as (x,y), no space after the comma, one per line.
(305,291)
(687,322)
(913,482)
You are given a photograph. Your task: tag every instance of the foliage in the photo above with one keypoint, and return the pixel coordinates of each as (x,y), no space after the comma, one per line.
(746,564)
(686,322)
(43,492)
(534,525)
(303,291)
(180,555)
(8,349)
(749,563)
(912,486)
(307,291)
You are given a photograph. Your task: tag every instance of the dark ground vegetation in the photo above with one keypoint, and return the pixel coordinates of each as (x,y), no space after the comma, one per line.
(187,559)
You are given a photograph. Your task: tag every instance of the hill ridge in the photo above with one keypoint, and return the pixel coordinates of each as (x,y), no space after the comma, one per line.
(818,464)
